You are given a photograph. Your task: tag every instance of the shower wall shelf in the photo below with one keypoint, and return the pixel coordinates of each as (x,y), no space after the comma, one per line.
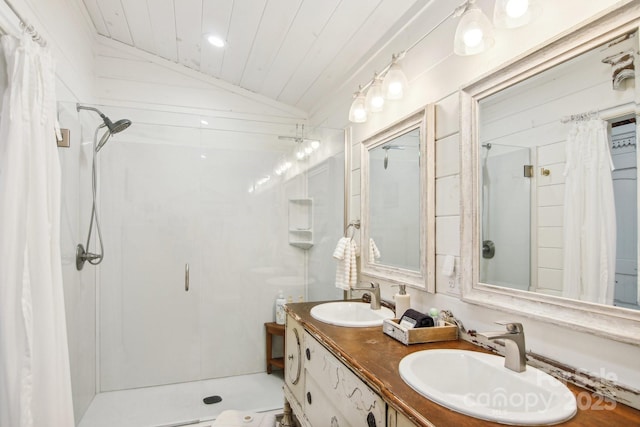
(301,223)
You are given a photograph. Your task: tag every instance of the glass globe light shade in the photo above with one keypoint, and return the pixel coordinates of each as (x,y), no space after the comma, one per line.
(514,13)
(375,96)
(474,33)
(395,82)
(358,110)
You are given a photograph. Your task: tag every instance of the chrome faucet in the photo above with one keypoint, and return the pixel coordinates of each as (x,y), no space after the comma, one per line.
(515,358)
(374,291)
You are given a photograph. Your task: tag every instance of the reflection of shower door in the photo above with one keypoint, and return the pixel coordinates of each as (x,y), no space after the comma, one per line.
(506,215)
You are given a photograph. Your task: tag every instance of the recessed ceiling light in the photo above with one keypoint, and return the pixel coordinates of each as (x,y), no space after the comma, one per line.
(215,40)
(204,122)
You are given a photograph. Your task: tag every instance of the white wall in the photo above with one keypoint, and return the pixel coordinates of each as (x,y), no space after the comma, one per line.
(434,75)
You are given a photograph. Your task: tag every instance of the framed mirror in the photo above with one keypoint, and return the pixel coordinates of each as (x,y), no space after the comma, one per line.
(550,214)
(398,224)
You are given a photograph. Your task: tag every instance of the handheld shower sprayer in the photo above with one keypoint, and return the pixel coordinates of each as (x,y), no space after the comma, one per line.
(112,128)
(82,253)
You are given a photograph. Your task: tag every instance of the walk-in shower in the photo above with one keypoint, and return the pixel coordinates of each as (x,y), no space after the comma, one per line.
(82,253)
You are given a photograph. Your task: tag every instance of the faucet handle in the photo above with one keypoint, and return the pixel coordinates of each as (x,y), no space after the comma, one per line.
(512,327)
(375,285)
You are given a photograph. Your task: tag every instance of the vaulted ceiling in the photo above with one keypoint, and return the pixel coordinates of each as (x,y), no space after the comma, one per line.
(293,51)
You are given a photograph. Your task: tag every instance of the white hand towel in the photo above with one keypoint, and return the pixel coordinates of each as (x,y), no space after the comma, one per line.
(346,254)
(353,267)
(339,252)
(374,253)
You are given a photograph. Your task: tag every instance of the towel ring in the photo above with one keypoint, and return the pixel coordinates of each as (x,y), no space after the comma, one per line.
(355,224)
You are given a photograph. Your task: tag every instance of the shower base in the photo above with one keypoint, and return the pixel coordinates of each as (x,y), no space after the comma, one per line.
(180,404)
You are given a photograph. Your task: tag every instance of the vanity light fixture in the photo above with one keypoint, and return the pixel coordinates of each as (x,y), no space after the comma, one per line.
(514,13)
(474,33)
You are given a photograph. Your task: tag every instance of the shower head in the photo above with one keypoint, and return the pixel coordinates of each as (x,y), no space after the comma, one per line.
(112,127)
(116,127)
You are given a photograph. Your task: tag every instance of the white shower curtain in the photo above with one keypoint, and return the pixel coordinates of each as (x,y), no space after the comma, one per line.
(589,215)
(35,382)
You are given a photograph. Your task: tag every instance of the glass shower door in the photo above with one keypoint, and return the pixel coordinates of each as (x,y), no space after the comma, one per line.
(149,321)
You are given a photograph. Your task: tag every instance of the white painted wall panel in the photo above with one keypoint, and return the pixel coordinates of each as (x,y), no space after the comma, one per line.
(552,153)
(327,46)
(448,196)
(137,13)
(448,235)
(550,237)
(215,21)
(551,195)
(374,26)
(164,29)
(116,20)
(188,17)
(312,16)
(550,281)
(96,17)
(550,258)
(245,20)
(448,156)
(447,116)
(274,27)
(550,216)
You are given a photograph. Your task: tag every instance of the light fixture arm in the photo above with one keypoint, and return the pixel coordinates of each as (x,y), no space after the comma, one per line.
(458,11)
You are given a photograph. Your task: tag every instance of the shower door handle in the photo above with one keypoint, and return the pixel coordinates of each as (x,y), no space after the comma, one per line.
(186,277)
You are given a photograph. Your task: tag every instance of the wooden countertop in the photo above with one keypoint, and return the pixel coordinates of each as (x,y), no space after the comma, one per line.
(374,357)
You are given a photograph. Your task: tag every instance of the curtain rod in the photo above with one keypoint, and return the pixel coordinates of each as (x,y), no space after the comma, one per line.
(26,27)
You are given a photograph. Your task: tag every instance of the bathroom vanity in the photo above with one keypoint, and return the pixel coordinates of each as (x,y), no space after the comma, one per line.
(338,376)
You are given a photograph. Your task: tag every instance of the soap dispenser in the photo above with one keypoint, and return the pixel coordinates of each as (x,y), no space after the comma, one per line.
(403,302)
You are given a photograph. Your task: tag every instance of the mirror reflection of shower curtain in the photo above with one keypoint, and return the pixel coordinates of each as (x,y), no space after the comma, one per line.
(506,215)
(589,215)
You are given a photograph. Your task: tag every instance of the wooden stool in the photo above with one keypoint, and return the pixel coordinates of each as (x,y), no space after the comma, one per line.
(273,329)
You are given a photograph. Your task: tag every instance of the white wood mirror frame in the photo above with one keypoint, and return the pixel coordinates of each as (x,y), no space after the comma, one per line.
(424,120)
(612,322)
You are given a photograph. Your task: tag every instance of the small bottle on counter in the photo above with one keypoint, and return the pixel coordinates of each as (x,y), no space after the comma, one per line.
(280,313)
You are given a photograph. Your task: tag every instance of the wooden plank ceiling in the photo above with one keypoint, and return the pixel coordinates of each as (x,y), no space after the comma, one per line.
(293,51)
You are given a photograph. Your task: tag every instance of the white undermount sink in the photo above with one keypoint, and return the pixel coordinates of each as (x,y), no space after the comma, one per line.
(478,385)
(350,314)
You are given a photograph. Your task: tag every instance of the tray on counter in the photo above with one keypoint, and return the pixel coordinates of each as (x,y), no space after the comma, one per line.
(407,336)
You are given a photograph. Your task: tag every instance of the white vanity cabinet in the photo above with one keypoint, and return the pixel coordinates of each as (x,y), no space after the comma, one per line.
(327,393)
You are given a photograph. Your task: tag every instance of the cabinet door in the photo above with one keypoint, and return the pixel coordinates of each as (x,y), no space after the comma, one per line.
(350,396)
(293,360)
(320,410)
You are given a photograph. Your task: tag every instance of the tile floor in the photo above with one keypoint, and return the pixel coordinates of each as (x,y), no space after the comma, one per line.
(180,404)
